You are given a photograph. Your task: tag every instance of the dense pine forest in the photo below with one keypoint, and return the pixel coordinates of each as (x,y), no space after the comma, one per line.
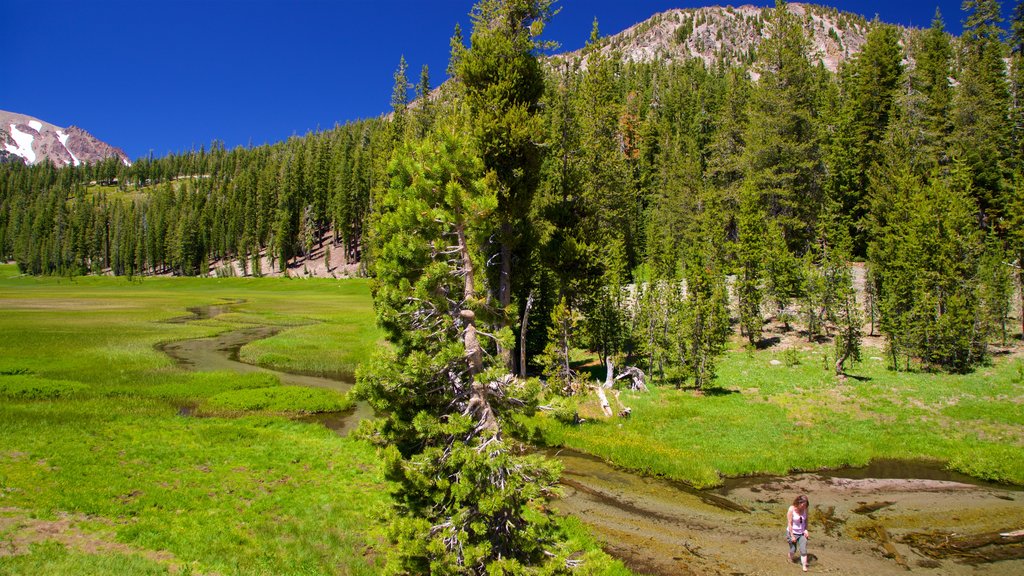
(640,175)
(536,204)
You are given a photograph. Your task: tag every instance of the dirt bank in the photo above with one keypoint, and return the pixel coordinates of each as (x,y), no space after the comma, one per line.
(873,526)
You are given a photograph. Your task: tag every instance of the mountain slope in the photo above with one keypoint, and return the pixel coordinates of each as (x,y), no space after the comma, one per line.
(733,35)
(30,140)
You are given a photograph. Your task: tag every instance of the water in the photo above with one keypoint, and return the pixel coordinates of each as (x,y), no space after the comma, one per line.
(661,527)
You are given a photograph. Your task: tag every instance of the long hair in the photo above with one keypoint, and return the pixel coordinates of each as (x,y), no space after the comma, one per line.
(800,500)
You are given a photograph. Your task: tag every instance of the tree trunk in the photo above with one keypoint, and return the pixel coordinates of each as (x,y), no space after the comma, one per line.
(505,288)
(522,336)
(479,406)
(840,370)
(605,406)
(470,340)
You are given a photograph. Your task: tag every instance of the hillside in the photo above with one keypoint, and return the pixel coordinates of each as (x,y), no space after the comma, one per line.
(733,35)
(30,141)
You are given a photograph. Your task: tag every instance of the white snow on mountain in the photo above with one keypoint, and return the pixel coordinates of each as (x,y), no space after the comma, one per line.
(63,137)
(24,144)
(33,141)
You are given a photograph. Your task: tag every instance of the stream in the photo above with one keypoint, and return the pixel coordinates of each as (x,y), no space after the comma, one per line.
(889,518)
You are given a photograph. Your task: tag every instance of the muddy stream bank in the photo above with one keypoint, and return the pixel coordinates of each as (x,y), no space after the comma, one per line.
(889,518)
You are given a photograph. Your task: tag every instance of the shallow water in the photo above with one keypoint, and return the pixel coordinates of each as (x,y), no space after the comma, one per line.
(220,353)
(876,520)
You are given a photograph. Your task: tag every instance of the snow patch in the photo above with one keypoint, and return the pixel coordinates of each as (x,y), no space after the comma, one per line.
(35,125)
(63,137)
(24,144)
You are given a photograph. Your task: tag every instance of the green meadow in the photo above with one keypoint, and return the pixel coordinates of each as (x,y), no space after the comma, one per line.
(101,474)
(768,419)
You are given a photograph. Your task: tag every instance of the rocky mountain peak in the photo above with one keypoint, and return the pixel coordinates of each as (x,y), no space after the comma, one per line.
(733,35)
(31,141)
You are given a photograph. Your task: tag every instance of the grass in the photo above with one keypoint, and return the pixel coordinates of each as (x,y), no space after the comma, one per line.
(93,451)
(774,419)
(99,474)
(278,399)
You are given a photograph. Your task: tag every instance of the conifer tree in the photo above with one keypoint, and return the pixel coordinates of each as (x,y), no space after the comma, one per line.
(400,99)
(706,319)
(782,151)
(931,77)
(750,255)
(982,105)
(782,274)
(503,83)
(466,500)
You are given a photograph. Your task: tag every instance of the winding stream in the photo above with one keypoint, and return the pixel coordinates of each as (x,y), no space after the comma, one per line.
(886,519)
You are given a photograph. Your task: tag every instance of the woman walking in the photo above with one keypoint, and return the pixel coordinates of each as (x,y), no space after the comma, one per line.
(796,529)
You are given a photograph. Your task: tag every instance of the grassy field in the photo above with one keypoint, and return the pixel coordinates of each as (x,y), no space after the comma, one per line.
(769,418)
(99,474)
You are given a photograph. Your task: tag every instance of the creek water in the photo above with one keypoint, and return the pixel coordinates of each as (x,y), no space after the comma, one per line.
(889,518)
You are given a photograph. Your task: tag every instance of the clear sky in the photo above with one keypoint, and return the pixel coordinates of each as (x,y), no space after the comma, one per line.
(169,75)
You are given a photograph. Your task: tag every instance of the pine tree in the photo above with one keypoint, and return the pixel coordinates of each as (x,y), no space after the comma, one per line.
(466,501)
(782,152)
(400,99)
(750,255)
(946,318)
(557,363)
(869,85)
(707,319)
(982,133)
(424,115)
(503,83)
(931,77)
(783,281)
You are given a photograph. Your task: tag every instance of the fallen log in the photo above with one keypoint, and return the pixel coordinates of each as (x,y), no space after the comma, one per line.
(971,549)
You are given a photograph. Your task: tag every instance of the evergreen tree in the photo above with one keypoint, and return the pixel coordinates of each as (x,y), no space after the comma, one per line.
(982,133)
(400,99)
(503,83)
(466,500)
(783,155)
(707,319)
(931,77)
(750,255)
(782,274)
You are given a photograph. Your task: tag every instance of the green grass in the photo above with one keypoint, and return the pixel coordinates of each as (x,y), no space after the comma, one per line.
(26,387)
(95,456)
(90,434)
(278,399)
(766,419)
(93,449)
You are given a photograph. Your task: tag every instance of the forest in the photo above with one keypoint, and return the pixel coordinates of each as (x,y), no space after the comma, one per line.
(535,204)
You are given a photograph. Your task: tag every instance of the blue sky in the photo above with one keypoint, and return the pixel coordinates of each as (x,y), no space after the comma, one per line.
(165,76)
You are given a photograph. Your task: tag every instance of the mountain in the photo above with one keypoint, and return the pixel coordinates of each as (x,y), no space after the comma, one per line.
(733,35)
(30,140)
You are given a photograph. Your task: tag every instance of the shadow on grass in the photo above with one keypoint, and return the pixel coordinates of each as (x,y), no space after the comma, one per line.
(713,391)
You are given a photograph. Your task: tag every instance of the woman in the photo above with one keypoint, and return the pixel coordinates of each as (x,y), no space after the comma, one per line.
(796,529)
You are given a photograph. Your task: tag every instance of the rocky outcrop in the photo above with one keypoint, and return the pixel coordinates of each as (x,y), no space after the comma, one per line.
(733,35)
(32,141)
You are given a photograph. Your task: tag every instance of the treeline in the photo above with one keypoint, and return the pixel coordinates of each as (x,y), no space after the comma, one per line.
(179,213)
(645,178)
